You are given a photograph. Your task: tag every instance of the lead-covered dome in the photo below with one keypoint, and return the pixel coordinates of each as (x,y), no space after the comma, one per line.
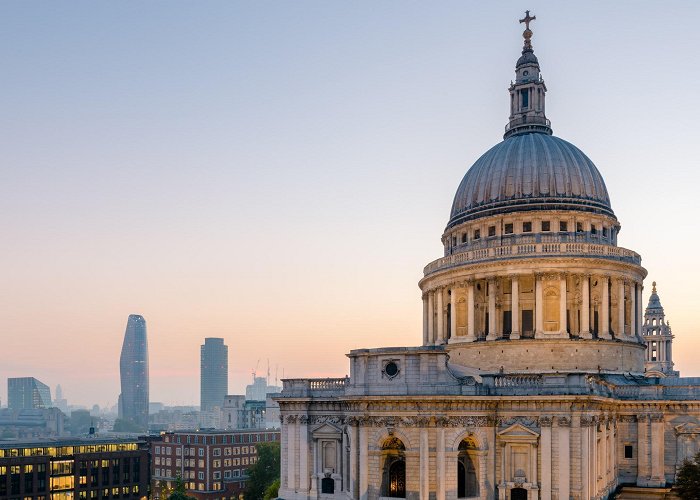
(532,171)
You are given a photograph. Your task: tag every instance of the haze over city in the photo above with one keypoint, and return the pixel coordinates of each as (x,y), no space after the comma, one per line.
(279,177)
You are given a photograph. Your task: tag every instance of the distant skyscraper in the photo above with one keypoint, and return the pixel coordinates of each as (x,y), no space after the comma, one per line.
(133,367)
(214,373)
(25,393)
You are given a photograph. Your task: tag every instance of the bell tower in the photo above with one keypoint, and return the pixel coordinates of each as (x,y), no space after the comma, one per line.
(527,93)
(658,338)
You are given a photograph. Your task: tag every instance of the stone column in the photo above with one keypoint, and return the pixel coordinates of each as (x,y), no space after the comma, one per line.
(643,450)
(471,336)
(354,459)
(658,477)
(515,306)
(604,455)
(303,455)
(453,313)
(585,457)
(639,312)
(605,317)
(440,318)
(563,433)
(425,319)
(562,306)
(440,462)
(364,471)
(586,307)
(431,318)
(492,309)
(291,453)
(546,457)
(594,463)
(424,458)
(621,309)
(633,310)
(539,307)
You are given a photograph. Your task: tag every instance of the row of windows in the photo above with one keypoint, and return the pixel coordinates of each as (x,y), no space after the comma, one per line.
(545,227)
(61,451)
(224,438)
(201,452)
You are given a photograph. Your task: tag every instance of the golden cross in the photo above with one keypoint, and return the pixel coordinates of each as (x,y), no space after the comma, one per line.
(527,19)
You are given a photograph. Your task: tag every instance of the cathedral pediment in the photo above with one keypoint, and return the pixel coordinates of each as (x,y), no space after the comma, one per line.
(688,428)
(518,431)
(326,430)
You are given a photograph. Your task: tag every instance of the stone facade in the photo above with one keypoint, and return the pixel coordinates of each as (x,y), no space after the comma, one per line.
(533,378)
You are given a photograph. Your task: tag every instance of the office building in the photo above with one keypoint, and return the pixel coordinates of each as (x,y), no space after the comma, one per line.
(212,464)
(27,393)
(213,374)
(133,367)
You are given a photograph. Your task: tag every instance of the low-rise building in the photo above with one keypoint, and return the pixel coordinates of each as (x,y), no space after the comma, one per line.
(211,463)
(74,468)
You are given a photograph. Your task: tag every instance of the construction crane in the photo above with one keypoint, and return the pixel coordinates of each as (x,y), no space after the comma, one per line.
(255,370)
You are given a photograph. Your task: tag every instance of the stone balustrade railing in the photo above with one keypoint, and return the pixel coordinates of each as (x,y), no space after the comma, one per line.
(534,249)
(318,387)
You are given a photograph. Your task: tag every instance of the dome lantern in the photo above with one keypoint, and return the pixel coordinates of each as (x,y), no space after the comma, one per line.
(527,94)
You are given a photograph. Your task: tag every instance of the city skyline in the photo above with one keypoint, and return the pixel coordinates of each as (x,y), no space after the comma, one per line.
(237,181)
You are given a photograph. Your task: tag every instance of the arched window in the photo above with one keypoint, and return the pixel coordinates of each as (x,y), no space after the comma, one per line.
(467,470)
(393,468)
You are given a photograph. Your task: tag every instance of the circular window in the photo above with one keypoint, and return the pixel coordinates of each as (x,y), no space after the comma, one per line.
(525,73)
(391,369)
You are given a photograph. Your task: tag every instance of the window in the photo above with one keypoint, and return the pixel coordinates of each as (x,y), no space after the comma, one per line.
(217,475)
(464,237)
(178,451)
(492,230)
(217,452)
(527,227)
(157,450)
(605,232)
(579,227)
(546,226)
(454,241)
(593,229)
(524,95)
(563,226)
(200,476)
(227,474)
(477,234)
(201,452)
(508,229)
(629,451)
(217,463)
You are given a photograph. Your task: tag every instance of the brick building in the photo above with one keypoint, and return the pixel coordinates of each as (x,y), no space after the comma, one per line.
(74,468)
(211,463)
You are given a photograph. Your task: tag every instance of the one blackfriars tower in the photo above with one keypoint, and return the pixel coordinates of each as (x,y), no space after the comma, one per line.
(214,374)
(133,367)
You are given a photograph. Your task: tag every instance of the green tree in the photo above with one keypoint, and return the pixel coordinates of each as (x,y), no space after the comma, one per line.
(179,492)
(264,472)
(688,479)
(272,490)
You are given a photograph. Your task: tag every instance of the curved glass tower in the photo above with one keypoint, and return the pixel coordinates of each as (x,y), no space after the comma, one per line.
(133,367)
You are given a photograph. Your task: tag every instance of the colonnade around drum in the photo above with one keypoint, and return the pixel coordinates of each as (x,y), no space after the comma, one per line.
(533,305)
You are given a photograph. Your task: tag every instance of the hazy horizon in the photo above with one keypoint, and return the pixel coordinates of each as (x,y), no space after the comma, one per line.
(278,173)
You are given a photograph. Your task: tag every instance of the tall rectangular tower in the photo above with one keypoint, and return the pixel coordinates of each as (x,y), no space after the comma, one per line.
(133,367)
(214,373)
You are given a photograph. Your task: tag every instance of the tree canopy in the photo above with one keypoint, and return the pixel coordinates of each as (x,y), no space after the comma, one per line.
(688,479)
(264,472)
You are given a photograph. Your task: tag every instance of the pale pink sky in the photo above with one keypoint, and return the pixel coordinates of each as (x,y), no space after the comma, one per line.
(279,174)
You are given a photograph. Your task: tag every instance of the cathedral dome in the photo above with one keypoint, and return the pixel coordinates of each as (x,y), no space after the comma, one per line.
(531,171)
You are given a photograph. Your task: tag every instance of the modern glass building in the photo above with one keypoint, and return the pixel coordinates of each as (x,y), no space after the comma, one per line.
(25,393)
(133,367)
(214,373)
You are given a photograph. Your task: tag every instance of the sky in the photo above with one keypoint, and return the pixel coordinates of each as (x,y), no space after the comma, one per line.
(278,173)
